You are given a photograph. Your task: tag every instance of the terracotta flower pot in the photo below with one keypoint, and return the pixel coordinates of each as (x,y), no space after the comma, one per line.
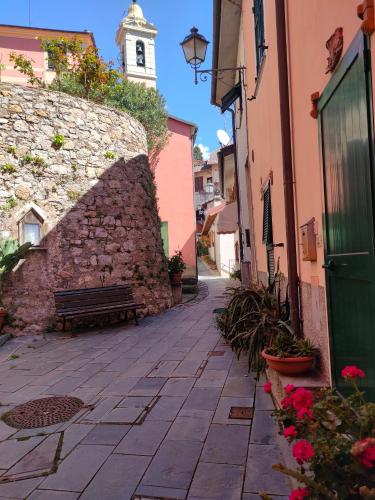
(176,278)
(3,315)
(289,366)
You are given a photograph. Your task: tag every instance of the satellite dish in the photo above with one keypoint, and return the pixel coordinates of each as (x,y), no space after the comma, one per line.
(223,137)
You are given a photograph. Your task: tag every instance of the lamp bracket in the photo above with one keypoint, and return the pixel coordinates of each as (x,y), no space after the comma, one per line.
(214,72)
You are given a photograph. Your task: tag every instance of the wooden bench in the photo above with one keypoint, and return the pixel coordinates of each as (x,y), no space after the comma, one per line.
(86,302)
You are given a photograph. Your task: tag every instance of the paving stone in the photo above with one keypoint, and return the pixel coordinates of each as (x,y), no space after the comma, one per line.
(241,387)
(66,385)
(12,451)
(143,439)
(139,369)
(117,479)
(259,474)
(222,412)
(226,444)
(166,408)
(106,434)
(212,378)
(188,429)
(216,482)
(176,354)
(120,387)
(173,465)
(122,416)
(77,470)
(11,382)
(263,401)
(5,430)
(202,414)
(19,489)
(187,368)
(120,365)
(163,369)
(40,459)
(255,496)
(99,380)
(135,402)
(52,495)
(203,399)
(264,430)
(73,436)
(177,387)
(104,406)
(148,387)
(159,492)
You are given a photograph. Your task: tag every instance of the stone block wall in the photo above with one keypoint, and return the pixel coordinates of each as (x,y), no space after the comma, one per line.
(95,198)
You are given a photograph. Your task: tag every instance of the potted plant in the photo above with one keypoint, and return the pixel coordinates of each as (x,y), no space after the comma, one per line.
(10,254)
(176,266)
(290,355)
(254,315)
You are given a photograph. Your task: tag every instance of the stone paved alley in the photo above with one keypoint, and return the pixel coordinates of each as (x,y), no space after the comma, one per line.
(185,447)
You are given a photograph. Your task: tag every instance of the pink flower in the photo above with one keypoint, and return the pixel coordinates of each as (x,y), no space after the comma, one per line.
(302,398)
(267,387)
(364,452)
(352,372)
(289,389)
(287,403)
(299,494)
(290,432)
(305,412)
(303,451)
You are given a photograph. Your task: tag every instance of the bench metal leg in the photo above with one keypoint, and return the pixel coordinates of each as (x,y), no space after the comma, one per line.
(135,316)
(64,323)
(126,315)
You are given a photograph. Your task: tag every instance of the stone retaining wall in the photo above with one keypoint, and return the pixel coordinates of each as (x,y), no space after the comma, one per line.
(94,197)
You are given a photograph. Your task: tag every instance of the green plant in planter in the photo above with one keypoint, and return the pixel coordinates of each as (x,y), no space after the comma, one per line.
(176,263)
(287,345)
(253,317)
(8,168)
(58,141)
(109,155)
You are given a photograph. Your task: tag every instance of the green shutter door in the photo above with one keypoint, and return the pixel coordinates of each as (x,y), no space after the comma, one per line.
(345,127)
(164,236)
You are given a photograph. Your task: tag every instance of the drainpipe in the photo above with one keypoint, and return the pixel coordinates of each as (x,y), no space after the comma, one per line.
(236,178)
(288,177)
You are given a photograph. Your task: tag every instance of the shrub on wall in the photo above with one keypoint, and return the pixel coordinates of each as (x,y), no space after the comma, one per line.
(80,71)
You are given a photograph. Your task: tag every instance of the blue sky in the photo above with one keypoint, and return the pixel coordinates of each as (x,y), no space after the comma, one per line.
(173,18)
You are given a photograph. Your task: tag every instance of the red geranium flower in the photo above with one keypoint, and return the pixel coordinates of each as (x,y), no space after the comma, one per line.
(303,451)
(267,387)
(299,494)
(364,452)
(305,412)
(302,398)
(287,403)
(352,372)
(290,432)
(289,388)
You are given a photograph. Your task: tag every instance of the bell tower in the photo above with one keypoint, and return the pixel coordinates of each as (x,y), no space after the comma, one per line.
(136,40)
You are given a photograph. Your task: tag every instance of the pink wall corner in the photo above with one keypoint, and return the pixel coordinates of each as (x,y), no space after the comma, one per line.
(174,181)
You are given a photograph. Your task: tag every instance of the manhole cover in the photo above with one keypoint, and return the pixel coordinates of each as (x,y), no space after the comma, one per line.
(241,412)
(43,412)
(216,353)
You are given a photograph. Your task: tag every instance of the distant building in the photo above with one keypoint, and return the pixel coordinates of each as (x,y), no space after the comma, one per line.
(27,41)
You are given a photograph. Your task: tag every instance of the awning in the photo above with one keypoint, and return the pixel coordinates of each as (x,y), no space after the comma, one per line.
(227,221)
(210,217)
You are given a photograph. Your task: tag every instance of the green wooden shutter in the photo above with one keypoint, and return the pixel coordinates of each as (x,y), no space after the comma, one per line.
(164,236)
(268,234)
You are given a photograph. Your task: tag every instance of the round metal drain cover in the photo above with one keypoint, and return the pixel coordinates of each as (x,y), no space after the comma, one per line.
(43,412)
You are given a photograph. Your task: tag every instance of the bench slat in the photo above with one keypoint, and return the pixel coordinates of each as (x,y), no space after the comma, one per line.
(94,301)
(98,310)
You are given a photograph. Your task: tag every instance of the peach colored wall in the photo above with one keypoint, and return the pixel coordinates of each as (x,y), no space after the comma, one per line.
(26,46)
(310,23)
(174,181)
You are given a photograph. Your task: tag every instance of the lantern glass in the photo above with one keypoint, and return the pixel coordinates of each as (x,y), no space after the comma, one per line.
(195,48)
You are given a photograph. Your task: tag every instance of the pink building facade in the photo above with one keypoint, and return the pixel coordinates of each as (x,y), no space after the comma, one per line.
(174,181)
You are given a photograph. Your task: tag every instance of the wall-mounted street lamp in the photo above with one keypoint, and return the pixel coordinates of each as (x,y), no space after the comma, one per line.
(195,48)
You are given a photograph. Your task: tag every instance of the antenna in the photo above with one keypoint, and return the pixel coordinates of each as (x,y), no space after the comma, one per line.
(223,137)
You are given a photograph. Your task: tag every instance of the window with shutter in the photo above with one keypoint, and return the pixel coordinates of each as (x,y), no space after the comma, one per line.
(198,184)
(258,10)
(268,234)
